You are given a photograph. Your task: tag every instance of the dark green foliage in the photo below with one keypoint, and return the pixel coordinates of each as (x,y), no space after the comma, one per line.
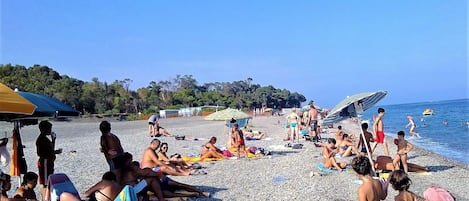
(182,91)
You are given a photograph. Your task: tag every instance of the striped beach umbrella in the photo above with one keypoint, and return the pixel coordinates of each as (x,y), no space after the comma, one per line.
(354,106)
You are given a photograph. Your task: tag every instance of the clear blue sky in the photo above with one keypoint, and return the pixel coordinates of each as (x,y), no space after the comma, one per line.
(325,50)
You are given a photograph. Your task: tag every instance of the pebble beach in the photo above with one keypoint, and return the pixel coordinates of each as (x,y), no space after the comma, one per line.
(282,175)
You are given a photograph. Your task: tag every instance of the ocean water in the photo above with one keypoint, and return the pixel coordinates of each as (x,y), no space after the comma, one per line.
(451,140)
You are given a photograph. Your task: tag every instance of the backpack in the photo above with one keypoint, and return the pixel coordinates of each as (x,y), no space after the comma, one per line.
(435,193)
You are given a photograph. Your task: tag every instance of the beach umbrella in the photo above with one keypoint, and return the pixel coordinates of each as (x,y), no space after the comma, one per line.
(354,106)
(48,106)
(227,114)
(13,105)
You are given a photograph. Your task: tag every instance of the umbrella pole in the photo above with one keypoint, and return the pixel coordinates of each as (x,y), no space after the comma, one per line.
(17,126)
(367,149)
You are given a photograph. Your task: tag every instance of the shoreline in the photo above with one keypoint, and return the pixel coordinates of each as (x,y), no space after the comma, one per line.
(283,175)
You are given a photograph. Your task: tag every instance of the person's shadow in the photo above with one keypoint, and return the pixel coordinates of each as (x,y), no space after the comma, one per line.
(436,168)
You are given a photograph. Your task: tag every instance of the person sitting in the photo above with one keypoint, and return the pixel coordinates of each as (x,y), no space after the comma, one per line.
(401,182)
(105,190)
(371,189)
(133,175)
(250,134)
(346,146)
(385,163)
(26,190)
(160,131)
(174,159)
(5,181)
(209,150)
(168,187)
(150,160)
(328,151)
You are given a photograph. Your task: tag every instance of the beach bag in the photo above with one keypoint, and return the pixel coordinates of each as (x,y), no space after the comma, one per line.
(252,149)
(227,153)
(435,193)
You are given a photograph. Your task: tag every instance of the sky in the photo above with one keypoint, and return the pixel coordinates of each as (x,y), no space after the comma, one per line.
(326,50)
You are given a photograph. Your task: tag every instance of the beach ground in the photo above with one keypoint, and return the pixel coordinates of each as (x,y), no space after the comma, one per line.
(284,175)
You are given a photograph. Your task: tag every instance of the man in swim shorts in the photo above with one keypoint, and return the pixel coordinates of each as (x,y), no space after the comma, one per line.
(378,129)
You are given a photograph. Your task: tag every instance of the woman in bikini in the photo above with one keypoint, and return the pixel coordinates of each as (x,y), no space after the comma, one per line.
(209,150)
(238,141)
(346,146)
(293,119)
(105,190)
(328,151)
(174,159)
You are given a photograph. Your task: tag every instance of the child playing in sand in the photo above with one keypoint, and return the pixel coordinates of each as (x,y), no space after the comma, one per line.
(403,147)
(401,182)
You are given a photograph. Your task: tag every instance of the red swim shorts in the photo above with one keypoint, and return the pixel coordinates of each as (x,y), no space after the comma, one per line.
(379,137)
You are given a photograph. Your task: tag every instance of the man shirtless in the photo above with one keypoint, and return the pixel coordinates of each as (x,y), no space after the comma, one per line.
(133,175)
(150,160)
(157,182)
(378,129)
(313,122)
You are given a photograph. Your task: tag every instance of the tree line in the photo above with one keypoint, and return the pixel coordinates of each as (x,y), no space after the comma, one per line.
(117,97)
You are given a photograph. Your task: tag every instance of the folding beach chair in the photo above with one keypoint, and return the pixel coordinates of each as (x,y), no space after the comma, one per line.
(59,183)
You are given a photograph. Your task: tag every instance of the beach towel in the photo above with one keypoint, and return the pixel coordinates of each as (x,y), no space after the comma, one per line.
(321,167)
(127,194)
(197,159)
(59,183)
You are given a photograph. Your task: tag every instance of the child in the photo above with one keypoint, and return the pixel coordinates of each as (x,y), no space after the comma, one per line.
(403,147)
(401,182)
(371,189)
(368,138)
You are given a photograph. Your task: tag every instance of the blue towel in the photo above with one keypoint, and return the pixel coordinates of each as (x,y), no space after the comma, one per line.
(127,194)
(324,169)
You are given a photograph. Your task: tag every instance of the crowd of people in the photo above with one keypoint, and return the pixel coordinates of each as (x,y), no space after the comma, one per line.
(152,174)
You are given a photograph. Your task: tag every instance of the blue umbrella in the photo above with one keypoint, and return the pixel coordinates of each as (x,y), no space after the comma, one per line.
(48,106)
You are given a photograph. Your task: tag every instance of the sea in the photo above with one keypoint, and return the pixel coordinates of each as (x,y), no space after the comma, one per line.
(450,140)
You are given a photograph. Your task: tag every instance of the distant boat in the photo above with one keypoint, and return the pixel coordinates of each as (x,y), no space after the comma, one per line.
(427,112)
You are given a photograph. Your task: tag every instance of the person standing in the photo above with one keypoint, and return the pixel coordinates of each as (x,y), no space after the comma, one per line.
(403,147)
(368,138)
(378,129)
(313,122)
(45,148)
(112,149)
(412,126)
